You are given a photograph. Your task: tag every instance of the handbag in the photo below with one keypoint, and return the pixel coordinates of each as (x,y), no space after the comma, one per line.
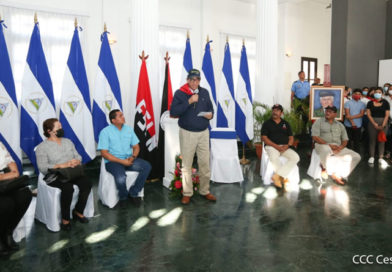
(10,185)
(381,137)
(64,175)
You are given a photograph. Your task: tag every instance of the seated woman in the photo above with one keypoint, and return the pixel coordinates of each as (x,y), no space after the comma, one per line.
(13,205)
(57,152)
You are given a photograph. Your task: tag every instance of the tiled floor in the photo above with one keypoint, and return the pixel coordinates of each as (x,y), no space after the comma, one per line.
(250,228)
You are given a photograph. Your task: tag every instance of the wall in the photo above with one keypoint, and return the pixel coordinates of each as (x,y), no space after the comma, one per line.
(305,31)
(365,41)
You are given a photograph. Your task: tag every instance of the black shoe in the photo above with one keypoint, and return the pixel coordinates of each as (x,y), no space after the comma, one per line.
(137,201)
(10,242)
(66,227)
(82,220)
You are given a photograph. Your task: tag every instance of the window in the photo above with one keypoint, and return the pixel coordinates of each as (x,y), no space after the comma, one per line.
(172,40)
(309,66)
(56,33)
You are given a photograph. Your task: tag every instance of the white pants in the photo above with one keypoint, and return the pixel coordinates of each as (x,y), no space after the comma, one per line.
(346,160)
(291,156)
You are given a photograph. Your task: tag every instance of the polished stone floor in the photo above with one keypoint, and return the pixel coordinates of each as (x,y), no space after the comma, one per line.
(251,228)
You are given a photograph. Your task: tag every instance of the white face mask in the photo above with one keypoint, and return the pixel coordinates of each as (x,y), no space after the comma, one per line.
(390,92)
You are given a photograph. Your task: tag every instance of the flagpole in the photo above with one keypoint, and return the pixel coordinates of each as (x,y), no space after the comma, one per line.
(35,18)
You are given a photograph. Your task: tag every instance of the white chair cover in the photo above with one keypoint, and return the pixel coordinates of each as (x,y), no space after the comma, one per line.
(107,189)
(267,169)
(48,209)
(224,161)
(25,225)
(314,169)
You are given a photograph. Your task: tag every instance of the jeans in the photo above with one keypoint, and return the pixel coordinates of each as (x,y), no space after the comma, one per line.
(118,171)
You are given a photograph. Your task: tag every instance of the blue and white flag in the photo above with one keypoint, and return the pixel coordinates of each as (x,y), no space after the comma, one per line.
(75,105)
(187,61)
(37,102)
(208,80)
(243,105)
(226,104)
(107,94)
(9,113)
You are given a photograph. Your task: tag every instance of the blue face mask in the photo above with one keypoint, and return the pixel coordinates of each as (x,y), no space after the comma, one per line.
(364,93)
(385,88)
(377,95)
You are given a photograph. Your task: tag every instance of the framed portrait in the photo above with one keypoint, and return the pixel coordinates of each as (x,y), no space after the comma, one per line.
(322,97)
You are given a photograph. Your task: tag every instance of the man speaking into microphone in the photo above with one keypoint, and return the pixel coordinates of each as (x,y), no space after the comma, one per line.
(192,104)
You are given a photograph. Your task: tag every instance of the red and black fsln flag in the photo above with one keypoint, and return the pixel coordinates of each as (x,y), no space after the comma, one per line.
(145,124)
(167,98)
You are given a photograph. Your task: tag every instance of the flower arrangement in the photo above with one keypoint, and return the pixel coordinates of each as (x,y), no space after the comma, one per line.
(176,183)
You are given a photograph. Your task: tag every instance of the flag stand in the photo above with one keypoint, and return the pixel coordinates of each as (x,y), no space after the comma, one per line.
(243,160)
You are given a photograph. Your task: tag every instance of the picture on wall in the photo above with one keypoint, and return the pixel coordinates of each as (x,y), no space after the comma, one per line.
(322,97)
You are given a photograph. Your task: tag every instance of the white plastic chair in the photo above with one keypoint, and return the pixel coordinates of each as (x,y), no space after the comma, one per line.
(267,169)
(25,225)
(107,189)
(314,169)
(225,164)
(48,209)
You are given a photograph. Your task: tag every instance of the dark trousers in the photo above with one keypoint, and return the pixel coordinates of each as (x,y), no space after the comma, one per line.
(12,208)
(388,144)
(67,191)
(120,177)
(354,135)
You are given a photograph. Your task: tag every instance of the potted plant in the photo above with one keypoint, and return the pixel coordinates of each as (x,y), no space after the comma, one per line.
(296,124)
(261,113)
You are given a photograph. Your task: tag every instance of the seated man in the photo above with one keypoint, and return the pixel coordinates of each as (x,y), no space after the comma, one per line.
(278,138)
(331,139)
(119,146)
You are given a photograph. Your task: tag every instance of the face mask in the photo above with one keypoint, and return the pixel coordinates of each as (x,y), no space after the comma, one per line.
(60,133)
(390,92)
(364,93)
(377,95)
(386,89)
(356,97)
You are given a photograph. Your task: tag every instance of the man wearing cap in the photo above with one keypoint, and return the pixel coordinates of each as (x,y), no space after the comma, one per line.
(331,139)
(326,99)
(192,104)
(278,138)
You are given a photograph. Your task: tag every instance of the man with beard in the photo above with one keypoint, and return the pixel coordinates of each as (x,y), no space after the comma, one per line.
(278,138)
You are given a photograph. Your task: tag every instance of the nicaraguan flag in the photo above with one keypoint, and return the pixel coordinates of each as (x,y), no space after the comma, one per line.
(9,113)
(226,105)
(243,105)
(208,80)
(37,102)
(107,94)
(187,61)
(75,109)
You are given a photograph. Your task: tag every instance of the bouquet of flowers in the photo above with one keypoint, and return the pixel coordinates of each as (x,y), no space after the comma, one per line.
(176,183)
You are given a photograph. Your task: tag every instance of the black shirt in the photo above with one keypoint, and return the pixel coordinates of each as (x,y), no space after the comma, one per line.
(277,133)
(380,110)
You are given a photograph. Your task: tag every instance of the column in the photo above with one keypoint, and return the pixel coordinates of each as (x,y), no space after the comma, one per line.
(267,52)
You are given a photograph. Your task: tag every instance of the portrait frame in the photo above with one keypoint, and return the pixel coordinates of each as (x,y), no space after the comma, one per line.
(332,94)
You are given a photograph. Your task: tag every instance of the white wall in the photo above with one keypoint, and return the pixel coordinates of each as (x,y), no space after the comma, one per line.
(305,30)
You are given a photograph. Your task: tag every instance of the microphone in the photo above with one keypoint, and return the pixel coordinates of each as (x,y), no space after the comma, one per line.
(195,92)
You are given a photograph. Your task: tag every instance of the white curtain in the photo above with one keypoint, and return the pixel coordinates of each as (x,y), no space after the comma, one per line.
(56,33)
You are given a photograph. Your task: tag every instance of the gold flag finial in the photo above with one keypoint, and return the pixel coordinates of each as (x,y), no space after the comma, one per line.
(105,29)
(243,42)
(227,38)
(35,18)
(76,22)
(208,38)
(187,34)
